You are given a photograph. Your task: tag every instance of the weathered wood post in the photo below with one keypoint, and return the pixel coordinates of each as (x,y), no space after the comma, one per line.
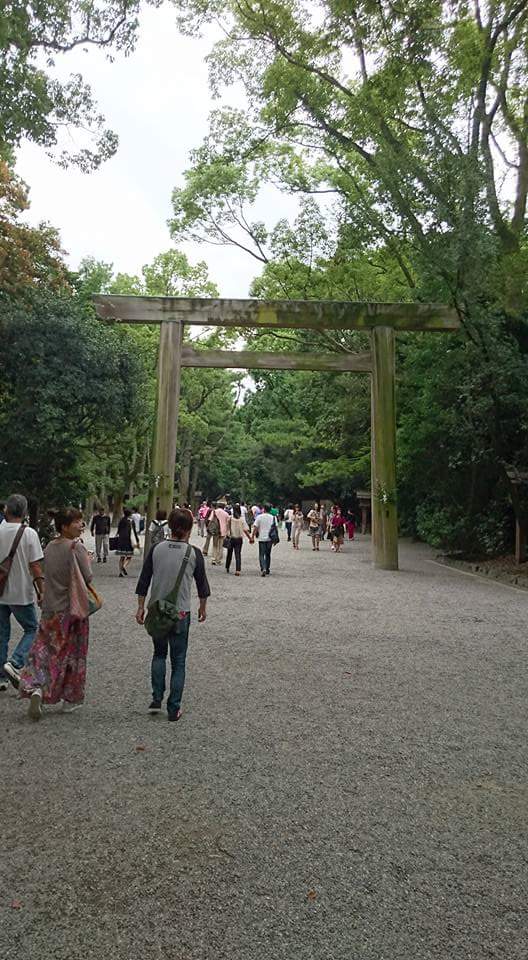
(384,509)
(161,486)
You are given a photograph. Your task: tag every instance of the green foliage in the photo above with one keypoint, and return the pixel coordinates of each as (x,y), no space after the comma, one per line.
(34,103)
(69,388)
(403,130)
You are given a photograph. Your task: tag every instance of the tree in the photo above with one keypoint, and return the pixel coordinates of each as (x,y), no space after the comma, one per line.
(408,125)
(34,102)
(69,388)
(208,397)
(410,116)
(29,256)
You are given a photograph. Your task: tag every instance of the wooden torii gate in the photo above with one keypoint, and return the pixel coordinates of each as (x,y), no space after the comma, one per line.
(381,320)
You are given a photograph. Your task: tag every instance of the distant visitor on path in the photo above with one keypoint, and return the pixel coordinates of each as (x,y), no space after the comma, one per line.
(314,528)
(169,570)
(125,550)
(159,528)
(338,528)
(298,524)
(100,528)
(265,528)
(217,526)
(137,520)
(237,529)
(56,666)
(20,586)
(288,521)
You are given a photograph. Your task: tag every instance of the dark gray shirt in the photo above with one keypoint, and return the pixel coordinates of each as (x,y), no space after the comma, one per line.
(161,568)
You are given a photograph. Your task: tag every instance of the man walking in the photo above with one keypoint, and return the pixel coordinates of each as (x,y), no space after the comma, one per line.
(288,520)
(18,597)
(261,528)
(100,526)
(218,521)
(168,563)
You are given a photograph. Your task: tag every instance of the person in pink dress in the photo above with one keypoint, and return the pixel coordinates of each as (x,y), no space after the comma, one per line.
(56,664)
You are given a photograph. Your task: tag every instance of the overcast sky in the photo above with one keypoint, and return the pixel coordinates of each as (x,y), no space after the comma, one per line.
(158,101)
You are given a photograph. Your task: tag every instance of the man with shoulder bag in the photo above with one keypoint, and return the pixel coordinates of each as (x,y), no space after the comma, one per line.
(20,584)
(265,528)
(169,570)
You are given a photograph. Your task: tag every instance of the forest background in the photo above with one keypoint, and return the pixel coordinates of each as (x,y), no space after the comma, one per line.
(402,129)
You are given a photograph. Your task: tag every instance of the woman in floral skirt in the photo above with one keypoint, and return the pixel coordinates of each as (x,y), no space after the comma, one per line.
(56,666)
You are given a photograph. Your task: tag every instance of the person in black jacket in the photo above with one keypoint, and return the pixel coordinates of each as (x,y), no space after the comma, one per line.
(160,572)
(100,527)
(125,550)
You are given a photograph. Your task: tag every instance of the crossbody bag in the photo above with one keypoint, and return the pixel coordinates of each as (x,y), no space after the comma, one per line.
(164,615)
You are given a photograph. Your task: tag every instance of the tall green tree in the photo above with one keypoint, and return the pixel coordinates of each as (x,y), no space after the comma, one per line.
(408,125)
(35,102)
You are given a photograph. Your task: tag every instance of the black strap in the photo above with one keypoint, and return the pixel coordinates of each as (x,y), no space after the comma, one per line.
(173,595)
(16,541)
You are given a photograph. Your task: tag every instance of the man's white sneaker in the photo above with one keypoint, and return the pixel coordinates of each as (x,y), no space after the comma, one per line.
(35,705)
(13,675)
(4,685)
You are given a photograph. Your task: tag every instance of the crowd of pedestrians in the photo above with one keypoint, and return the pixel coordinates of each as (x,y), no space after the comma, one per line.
(48,664)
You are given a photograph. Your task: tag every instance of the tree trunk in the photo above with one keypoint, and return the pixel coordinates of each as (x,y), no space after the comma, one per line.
(185,472)
(194,480)
(117,506)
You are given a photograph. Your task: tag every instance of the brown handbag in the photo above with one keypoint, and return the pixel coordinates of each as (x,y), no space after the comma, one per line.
(5,565)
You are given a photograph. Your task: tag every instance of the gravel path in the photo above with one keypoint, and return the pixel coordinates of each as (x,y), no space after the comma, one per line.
(348,781)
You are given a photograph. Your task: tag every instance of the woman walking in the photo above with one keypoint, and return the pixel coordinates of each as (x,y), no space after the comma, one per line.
(56,666)
(314,520)
(338,528)
(125,550)
(237,529)
(297,525)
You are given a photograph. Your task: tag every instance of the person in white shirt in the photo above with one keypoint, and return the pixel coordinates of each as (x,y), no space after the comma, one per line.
(136,520)
(261,528)
(288,520)
(23,586)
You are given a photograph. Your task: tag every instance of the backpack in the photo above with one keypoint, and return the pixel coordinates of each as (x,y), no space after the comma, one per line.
(158,535)
(163,615)
(213,527)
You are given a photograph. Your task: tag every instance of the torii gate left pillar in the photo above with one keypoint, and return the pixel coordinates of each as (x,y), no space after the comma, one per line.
(161,488)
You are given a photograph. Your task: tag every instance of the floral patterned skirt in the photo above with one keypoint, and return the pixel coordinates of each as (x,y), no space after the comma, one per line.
(57,660)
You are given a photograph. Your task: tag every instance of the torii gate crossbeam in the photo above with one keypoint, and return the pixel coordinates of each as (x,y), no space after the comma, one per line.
(381,320)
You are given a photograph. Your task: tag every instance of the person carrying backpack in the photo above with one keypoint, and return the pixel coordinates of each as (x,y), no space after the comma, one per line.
(158,528)
(169,570)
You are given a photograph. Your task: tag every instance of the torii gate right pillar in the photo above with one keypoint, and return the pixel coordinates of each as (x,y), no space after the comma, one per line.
(383,433)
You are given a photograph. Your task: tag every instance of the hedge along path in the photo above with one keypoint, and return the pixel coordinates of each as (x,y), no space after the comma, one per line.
(382,320)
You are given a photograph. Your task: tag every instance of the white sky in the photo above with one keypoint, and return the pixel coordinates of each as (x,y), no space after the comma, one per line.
(157,101)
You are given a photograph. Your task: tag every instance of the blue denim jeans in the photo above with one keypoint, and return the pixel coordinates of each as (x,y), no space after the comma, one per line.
(175,642)
(26,616)
(265,555)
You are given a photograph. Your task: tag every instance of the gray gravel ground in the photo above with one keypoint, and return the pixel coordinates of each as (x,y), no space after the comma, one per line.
(348,781)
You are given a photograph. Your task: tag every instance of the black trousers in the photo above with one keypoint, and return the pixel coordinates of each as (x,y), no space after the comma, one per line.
(288,530)
(265,555)
(236,548)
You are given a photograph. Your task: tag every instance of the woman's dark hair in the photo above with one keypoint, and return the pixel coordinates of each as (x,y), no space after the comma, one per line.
(180,522)
(236,511)
(208,503)
(161,515)
(127,512)
(64,516)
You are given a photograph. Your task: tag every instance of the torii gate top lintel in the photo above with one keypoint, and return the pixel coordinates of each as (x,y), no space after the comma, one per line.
(308,314)
(381,320)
